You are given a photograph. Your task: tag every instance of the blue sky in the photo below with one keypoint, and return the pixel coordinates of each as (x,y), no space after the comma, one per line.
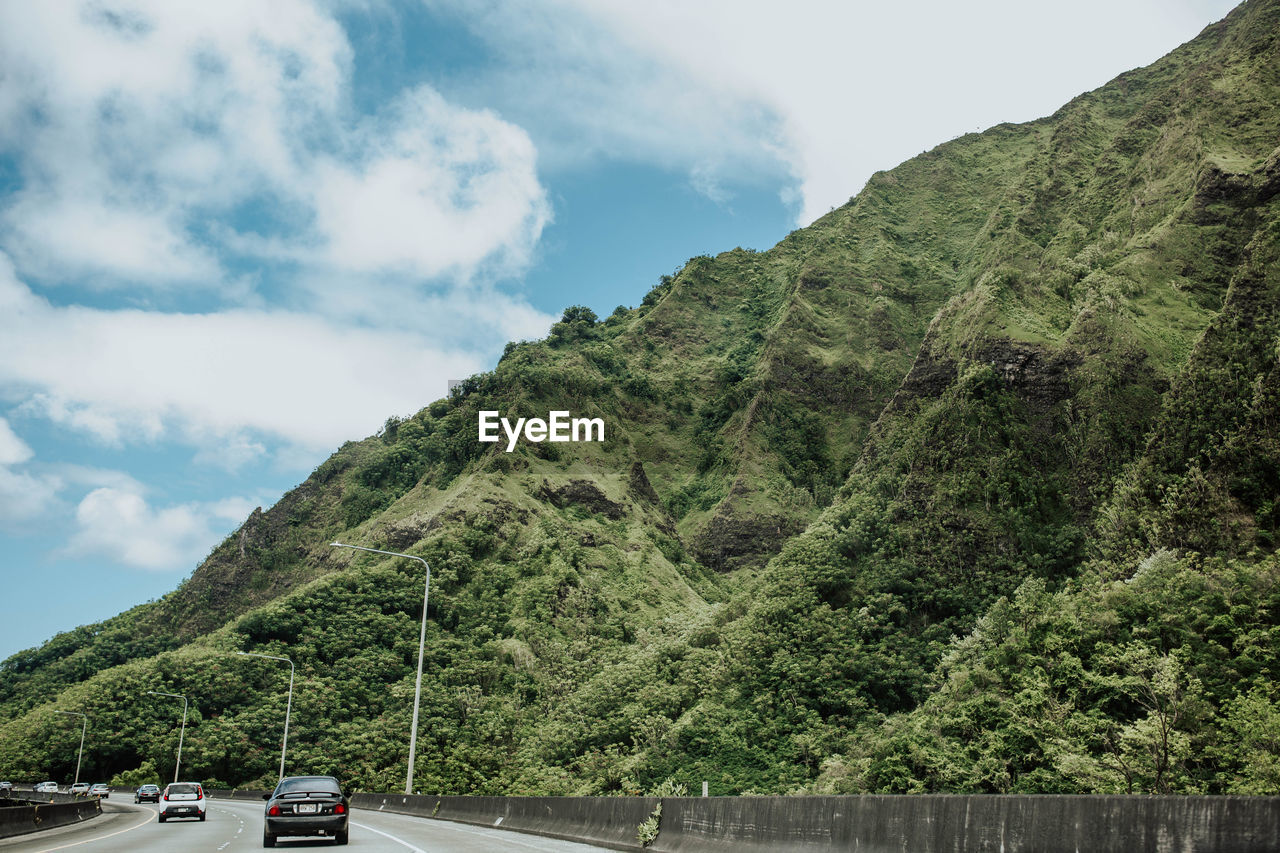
(235,235)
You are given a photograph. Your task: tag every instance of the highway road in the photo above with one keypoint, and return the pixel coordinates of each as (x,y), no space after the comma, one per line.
(235,826)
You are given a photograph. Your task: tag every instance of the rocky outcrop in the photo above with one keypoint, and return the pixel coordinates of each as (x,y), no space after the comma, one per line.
(1038,375)
(732,541)
(583,493)
(640,487)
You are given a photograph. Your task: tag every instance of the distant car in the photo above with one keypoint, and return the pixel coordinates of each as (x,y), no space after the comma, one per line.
(6,789)
(306,805)
(182,799)
(46,788)
(79,788)
(147,794)
(100,790)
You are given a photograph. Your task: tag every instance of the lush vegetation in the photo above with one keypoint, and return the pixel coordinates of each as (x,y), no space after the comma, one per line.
(970,486)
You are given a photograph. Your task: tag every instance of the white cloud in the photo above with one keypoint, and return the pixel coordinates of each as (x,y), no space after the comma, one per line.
(23,496)
(829,91)
(120,525)
(144,130)
(426,203)
(588,90)
(86,237)
(13,450)
(218,379)
(230,452)
(132,120)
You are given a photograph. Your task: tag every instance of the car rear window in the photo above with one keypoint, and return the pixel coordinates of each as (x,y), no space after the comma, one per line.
(179,788)
(309,784)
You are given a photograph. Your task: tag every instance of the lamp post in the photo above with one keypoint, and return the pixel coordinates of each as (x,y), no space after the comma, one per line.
(422,643)
(284,744)
(83,725)
(183,732)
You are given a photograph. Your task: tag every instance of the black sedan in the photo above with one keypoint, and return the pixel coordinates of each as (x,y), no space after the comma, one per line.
(306,805)
(147,794)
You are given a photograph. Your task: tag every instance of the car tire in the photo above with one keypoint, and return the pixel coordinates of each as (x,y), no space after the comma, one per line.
(202,816)
(268,840)
(340,837)
(161,816)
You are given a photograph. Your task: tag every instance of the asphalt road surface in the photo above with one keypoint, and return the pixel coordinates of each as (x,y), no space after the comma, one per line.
(235,826)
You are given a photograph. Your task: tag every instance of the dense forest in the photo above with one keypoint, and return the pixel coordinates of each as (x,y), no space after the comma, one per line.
(973,485)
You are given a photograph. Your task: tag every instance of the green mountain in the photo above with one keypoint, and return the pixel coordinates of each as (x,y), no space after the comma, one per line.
(972,485)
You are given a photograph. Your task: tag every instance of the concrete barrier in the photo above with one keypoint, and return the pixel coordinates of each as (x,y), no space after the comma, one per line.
(925,823)
(234,793)
(604,821)
(968,823)
(21,819)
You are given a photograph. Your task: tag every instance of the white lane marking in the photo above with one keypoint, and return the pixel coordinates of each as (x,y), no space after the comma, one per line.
(392,837)
(227,844)
(510,836)
(146,820)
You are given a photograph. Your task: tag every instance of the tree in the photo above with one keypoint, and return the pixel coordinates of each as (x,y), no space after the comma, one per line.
(1150,751)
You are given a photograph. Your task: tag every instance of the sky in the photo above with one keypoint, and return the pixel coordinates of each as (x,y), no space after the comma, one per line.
(235,235)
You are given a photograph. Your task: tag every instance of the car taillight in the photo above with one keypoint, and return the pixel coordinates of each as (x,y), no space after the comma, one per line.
(166,796)
(274,811)
(339,809)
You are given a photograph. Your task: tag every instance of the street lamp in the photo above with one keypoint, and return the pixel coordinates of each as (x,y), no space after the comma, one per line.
(84,725)
(287,708)
(183,732)
(422,643)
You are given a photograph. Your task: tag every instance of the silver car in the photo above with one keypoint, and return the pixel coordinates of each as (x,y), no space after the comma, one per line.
(182,799)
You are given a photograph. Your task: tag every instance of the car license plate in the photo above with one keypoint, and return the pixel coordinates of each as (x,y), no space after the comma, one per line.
(307,808)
